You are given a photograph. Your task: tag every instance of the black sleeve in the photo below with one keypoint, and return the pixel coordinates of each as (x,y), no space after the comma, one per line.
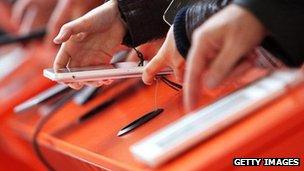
(191,17)
(144,19)
(284,19)
(180,34)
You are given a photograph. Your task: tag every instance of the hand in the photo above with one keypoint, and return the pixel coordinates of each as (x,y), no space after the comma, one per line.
(90,40)
(32,14)
(167,56)
(217,46)
(66,10)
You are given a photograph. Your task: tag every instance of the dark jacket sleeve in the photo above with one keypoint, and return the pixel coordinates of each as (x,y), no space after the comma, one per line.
(144,20)
(285,21)
(191,17)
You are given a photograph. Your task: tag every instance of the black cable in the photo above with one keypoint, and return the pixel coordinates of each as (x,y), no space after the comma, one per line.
(42,122)
(40,125)
(140,56)
(8,39)
(171,84)
(168,82)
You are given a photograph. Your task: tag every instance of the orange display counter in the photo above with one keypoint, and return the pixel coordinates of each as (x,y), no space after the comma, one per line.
(277,130)
(27,80)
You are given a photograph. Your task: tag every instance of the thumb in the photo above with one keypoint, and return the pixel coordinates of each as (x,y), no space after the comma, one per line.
(152,68)
(79,25)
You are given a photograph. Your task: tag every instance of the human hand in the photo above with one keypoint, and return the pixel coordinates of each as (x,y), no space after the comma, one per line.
(65,11)
(217,46)
(167,56)
(32,14)
(90,40)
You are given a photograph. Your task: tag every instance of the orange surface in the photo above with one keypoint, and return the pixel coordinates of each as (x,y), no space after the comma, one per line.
(27,80)
(5,15)
(16,153)
(277,130)
(273,131)
(23,83)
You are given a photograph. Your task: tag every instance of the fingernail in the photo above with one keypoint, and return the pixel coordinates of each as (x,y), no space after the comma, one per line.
(56,40)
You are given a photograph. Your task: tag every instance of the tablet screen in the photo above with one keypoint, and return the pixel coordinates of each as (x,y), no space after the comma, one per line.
(99,67)
(83,69)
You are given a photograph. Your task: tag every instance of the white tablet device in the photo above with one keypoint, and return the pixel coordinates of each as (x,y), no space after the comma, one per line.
(98,73)
(193,128)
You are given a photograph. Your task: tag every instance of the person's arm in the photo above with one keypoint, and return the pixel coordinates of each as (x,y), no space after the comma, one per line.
(191,17)
(144,20)
(283,19)
(175,48)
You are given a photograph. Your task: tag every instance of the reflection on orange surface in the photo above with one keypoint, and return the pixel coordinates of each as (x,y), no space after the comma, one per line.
(274,131)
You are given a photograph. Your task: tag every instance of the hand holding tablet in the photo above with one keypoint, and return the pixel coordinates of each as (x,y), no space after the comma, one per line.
(99,73)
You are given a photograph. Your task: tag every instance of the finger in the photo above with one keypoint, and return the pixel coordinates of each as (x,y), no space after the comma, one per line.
(98,83)
(19,10)
(179,72)
(59,17)
(76,86)
(132,56)
(195,65)
(240,69)
(93,83)
(61,60)
(108,82)
(152,68)
(74,27)
(222,65)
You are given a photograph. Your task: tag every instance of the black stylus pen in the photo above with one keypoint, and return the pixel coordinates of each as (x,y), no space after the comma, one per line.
(108,103)
(8,39)
(139,122)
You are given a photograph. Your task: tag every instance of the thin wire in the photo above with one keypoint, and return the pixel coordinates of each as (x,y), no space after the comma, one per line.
(156,94)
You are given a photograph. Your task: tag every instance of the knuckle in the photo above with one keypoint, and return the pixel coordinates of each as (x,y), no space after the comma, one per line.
(85,21)
(65,27)
(200,35)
